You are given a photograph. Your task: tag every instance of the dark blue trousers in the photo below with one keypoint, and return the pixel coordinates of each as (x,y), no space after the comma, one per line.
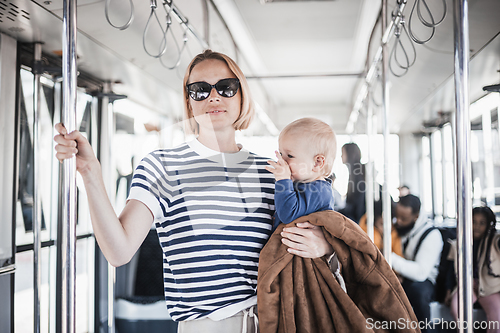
(420,295)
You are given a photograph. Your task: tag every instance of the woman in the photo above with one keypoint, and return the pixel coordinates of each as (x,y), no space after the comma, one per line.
(355,205)
(210,199)
(485,268)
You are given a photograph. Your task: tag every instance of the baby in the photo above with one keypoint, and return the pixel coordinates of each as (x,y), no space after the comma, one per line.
(307,149)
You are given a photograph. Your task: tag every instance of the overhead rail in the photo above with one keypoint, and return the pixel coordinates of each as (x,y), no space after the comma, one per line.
(388,33)
(304,76)
(170,10)
(397,27)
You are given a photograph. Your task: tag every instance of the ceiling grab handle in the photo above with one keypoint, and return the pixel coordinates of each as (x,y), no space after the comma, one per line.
(363,91)
(130,19)
(68,241)
(399,45)
(163,44)
(463,164)
(37,202)
(432,24)
(184,23)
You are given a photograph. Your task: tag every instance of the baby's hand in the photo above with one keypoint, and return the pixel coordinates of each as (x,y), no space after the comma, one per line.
(280,169)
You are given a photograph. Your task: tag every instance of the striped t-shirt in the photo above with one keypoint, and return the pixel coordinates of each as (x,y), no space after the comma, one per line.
(213,214)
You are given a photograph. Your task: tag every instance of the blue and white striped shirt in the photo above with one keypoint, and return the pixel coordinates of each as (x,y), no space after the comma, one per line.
(213,214)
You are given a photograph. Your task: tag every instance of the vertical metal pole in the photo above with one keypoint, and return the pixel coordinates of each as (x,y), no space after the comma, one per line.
(433,186)
(443,172)
(369,170)
(376,192)
(464,201)
(109,172)
(488,159)
(68,242)
(37,202)
(386,198)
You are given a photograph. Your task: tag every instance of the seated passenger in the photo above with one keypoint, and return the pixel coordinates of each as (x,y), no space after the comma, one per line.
(419,264)
(378,230)
(486,266)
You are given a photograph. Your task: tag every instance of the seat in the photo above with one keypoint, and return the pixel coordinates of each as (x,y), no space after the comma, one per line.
(142,306)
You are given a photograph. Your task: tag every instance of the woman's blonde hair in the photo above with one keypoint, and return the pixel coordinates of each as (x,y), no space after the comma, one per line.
(247,111)
(320,137)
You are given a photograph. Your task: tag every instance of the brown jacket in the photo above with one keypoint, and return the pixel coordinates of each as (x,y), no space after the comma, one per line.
(295,294)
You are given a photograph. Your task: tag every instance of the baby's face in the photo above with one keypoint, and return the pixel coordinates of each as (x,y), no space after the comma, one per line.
(295,151)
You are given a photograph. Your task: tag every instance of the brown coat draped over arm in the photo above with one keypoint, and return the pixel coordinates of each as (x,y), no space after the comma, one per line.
(301,295)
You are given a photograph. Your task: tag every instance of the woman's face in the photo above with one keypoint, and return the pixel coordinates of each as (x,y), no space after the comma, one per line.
(215,113)
(479,226)
(344,156)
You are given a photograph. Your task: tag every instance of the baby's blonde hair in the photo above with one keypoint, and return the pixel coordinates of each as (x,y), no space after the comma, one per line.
(320,136)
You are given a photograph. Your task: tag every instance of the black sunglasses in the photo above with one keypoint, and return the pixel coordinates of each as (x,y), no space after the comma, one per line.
(199,91)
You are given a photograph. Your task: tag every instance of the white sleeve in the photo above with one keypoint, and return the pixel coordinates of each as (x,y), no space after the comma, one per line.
(145,184)
(427,257)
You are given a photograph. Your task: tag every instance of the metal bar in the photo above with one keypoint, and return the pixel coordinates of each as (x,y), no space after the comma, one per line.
(304,76)
(8,269)
(206,22)
(444,192)
(388,33)
(184,21)
(488,158)
(108,170)
(370,218)
(386,197)
(68,242)
(37,201)
(433,186)
(464,200)
(111,298)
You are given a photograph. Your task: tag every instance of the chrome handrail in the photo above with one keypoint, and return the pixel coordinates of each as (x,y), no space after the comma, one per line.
(68,241)
(463,164)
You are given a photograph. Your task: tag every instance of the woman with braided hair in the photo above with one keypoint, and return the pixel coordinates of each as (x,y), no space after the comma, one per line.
(486,266)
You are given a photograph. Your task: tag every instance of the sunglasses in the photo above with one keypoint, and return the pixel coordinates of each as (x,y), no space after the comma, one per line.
(199,91)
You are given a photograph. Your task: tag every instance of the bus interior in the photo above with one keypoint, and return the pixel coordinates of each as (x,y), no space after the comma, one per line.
(382,74)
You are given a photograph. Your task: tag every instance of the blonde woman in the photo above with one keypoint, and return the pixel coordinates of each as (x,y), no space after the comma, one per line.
(211,200)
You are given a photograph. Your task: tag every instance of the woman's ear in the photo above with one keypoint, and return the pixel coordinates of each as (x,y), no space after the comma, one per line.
(319,162)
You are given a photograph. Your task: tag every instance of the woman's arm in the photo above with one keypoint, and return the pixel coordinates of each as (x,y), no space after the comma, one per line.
(118,238)
(306,240)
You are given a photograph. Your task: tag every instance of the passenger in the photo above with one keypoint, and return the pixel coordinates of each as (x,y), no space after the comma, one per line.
(419,264)
(485,268)
(378,230)
(355,205)
(403,190)
(307,149)
(211,201)
(338,202)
